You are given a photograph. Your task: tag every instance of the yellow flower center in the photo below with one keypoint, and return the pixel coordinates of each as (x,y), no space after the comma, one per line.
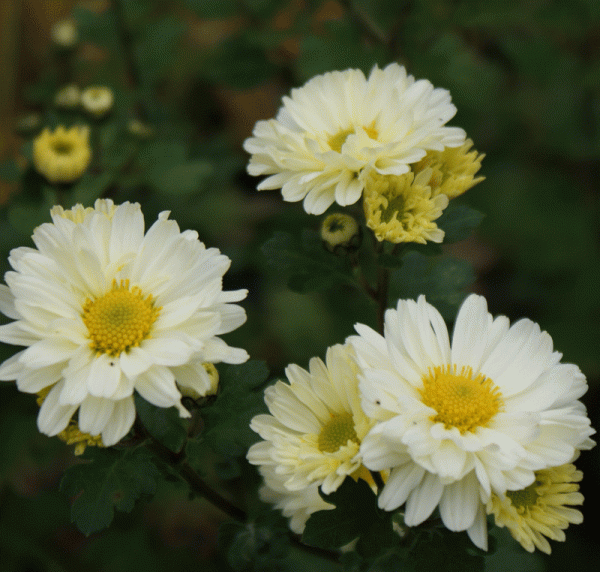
(336,141)
(61,147)
(337,432)
(526,497)
(120,319)
(460,400)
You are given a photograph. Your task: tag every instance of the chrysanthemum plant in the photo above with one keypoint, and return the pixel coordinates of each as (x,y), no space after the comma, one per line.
(399,447)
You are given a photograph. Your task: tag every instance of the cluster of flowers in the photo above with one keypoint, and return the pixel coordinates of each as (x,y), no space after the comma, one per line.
(486,424)
(384,138)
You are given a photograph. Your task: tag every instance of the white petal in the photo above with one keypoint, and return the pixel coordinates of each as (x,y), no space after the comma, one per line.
(460,502)
(47,352)
(104,376)
(401,482)
(94,414)
(423,499)
(120,422)
(54,417)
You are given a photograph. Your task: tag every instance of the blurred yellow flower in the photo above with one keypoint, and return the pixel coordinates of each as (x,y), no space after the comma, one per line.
(97,100)
(64,33)
(403,208)
(62,156)
(67,96)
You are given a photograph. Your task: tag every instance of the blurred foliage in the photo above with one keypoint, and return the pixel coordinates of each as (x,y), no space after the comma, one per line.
(197,74)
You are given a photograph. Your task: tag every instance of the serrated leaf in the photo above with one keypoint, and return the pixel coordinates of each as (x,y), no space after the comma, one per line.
(459,222)
(307,263)
(356,515)
(227,420)
(108,479)
(164,424)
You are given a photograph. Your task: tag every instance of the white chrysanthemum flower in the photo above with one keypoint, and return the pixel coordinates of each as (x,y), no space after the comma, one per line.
(316,424)
(97,100)
(106,310)
(295,505)
(340,125)
(458,422)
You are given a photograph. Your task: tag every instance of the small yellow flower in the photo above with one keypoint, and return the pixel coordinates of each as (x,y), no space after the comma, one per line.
(339,231)
(67,96)
(540,510)
(453,169)
(403,208)
(72,435)
(62,156)
(97,100)
(64,33)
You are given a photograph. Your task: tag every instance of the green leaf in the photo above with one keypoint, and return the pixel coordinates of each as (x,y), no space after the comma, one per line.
(257,546)
(442,279)
(108,479)
(164,424)
(227,420)
(458,222)
(183,179)
(309,265)
(356,515)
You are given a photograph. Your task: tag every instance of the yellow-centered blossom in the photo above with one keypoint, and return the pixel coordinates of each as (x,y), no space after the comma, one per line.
(62,155)
(540,510)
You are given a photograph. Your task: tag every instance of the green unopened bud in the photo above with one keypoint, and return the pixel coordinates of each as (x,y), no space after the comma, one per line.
(340,232)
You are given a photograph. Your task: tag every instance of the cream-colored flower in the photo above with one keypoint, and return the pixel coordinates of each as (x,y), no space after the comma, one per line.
(106,309)
(64,33)
(68,96)
(97,100)
(297,505)
(316,424)
(402,208)
(337,128)
(456,422)
(452,170)
(540,510)
(62,156)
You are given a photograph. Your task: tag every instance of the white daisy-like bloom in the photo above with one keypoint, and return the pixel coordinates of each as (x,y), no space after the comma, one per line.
(295,505)
(330,133)
(316,424)
(459,421)
(106,309)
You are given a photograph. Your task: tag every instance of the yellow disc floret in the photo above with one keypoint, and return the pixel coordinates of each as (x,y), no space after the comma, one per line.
(460,399)
(337,432)
(120,319)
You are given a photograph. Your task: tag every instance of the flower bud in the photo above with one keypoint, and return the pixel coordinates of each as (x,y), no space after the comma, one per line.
(340,232)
